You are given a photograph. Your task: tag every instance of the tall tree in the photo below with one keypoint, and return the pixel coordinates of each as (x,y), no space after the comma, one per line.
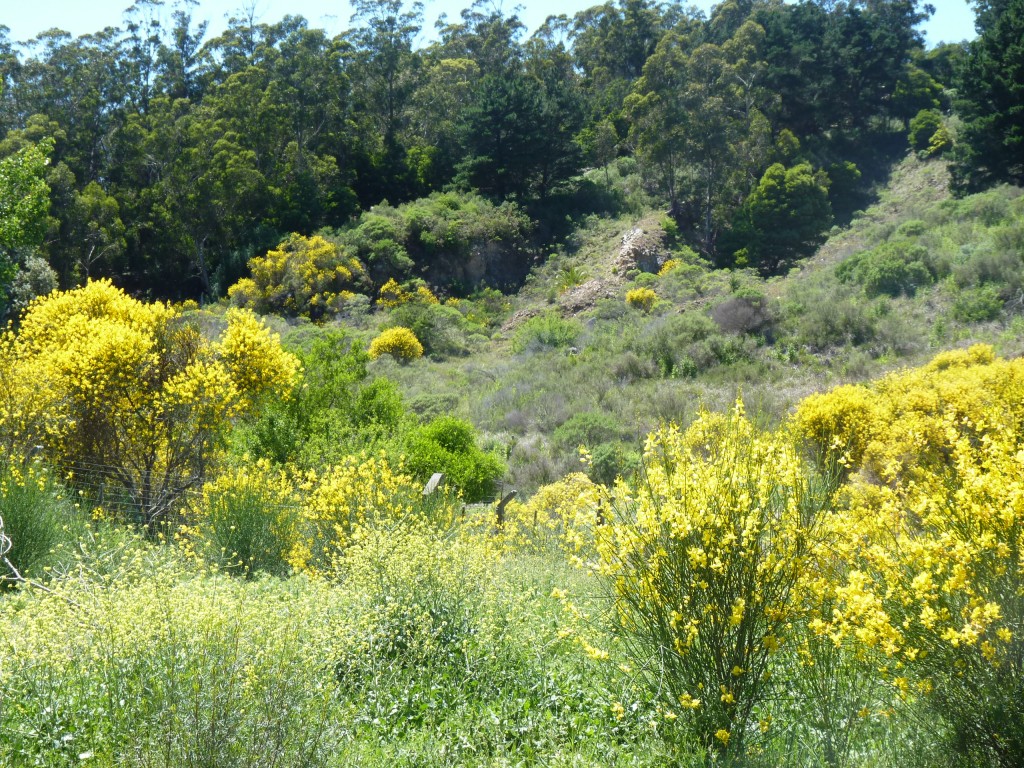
(696,122)
(990,147)
(385,72)
(24,200)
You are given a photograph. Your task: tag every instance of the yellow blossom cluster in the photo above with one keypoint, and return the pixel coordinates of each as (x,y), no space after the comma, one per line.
(398,342)
(130,389)
(393,295)
(641,298)
(307,276)
(362,492)
(706,558)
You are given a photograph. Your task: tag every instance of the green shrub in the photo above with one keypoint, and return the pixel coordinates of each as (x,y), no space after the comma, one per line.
(442,330)
(545,330)
(923,126)
(448,445)
(912,228)
(588,428)
(893,269)
(609,461)
(978,305)
(826,316)
(37,519)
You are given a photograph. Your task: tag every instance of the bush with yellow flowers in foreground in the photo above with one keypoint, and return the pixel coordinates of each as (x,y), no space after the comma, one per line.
(131,392)
(706,557)
(865,557)
(927,555)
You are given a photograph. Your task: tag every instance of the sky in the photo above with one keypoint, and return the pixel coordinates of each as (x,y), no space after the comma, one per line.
(953,20)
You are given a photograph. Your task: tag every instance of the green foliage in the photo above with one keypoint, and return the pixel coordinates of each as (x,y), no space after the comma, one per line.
(923,128)
(328,415)
(990,89)
(588,428)
(461,238)
(893,269)
(978,305)
(545,330)
(785,217)
(24,202)
(440,329)
(37,519)
(448,445)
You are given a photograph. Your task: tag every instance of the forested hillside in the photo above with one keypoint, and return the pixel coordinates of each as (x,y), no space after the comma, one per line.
(178,152)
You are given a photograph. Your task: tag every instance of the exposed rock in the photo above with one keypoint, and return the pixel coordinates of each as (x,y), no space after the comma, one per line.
(584,296)
(642,249)
(517,318)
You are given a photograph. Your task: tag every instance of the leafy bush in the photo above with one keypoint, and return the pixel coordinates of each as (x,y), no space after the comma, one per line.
(441,329)
(307,276)
(545,330)
(894,268)
(448,445)
(400,343)
(641,298)
(978,305)
(588,428)
(36,519)
(923,127)
(461,238)
(783,219)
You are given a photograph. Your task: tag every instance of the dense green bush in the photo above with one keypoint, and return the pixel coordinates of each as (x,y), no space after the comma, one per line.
(894,268)
(977,305)
(37,519)
(923,127)
(459,239)
(589,428)
(448,445)
(442,330)
(334,412)
(545,330)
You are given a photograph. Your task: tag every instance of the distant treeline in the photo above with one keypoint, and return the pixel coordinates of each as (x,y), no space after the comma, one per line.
(175,156)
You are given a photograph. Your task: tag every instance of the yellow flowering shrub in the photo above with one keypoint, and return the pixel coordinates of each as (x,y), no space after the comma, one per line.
(393,295)
(248,520)
(641,298)
(130,392)
(706,558)
(925,570)
(399,342)
(668,266)
(361,492)
(571,509)
(888,429)
(307,276)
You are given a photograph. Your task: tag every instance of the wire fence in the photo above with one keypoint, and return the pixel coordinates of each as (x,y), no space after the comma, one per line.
(114,492)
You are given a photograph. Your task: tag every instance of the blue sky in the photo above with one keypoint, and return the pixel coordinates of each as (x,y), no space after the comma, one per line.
(953,20)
